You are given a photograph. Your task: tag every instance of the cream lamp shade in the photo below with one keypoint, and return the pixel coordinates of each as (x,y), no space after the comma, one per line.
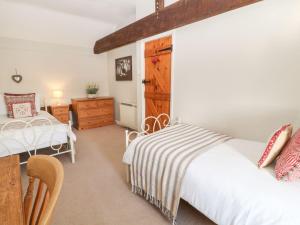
(57,94)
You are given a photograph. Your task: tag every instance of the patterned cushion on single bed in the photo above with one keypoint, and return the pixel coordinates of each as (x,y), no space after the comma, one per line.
(275,145)
(13,100)
(22,110)
(288,162)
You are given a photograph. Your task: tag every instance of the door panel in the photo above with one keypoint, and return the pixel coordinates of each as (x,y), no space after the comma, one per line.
(158,56)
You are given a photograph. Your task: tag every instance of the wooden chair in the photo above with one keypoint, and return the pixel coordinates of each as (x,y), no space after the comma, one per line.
(49,173)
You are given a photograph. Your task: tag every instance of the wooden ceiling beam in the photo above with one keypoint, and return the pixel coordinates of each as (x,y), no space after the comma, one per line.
(181,13)
(159,5)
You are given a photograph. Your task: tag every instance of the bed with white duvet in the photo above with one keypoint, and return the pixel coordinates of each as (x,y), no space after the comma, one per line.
(31,134)
(225,184)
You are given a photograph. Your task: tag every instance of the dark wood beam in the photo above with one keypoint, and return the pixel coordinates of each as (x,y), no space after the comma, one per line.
(179,14)
(159,5)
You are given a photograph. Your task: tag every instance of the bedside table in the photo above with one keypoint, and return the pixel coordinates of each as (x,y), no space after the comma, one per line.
(61,113)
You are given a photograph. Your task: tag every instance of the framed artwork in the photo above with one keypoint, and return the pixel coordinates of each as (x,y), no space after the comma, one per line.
(124,68)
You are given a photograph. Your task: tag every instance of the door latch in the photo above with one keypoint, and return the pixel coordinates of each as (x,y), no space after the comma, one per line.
(146,81)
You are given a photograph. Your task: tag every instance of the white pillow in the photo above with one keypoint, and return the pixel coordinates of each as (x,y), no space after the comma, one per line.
(3,110)
(37,102)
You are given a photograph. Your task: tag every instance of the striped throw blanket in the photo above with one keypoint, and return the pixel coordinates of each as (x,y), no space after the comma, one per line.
(160,160)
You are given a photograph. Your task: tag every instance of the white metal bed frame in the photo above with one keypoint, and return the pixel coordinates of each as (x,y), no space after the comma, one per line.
(160,122)
(31,145)
(146,129)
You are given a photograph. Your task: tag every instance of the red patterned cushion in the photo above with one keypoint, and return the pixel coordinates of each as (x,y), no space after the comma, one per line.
(11,99)
(294,175)
(289,159)
(275,145)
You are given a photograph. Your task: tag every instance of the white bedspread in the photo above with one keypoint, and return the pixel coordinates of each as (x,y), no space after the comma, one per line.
(14,141)
(225,184)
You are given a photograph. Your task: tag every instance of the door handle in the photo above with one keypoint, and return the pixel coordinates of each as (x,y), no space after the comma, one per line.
(146,81)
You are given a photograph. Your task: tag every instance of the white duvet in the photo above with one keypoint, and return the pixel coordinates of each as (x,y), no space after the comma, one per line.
(225,184)
(21,140)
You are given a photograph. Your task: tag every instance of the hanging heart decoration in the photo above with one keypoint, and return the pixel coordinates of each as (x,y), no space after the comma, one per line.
(155,60)
(17,78)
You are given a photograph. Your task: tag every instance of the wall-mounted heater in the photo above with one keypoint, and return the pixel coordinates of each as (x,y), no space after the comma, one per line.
(128,115)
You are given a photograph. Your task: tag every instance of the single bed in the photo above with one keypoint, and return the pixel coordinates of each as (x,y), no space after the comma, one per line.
(32,134)
(224,183)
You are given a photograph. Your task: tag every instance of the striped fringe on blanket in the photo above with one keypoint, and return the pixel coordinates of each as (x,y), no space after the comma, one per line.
(161,159)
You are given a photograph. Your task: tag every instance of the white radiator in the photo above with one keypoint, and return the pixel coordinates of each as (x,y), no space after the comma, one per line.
(128,115)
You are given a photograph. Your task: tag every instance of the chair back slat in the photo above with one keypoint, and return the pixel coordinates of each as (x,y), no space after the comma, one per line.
(43,207)
(28,200)
(37,203)
(49,172)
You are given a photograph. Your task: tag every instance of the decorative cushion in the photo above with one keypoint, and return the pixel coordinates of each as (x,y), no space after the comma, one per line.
(21,110)
(11,99)
(275,145)
(293,175)
(289,159)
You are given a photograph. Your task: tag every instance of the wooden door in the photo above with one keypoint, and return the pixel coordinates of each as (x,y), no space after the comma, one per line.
(158,56)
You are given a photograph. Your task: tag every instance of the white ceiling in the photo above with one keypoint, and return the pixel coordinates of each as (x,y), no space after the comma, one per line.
(68,22)
(115,12)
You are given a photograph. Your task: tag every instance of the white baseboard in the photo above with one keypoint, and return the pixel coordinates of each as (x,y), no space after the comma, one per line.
(119,124)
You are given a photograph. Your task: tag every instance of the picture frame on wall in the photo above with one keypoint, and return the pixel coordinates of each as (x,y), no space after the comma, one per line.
(124,69)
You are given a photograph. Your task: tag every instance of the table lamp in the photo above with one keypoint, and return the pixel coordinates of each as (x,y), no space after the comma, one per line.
(57,94)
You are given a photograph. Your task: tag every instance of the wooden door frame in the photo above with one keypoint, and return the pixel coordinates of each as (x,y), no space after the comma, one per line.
(141,55)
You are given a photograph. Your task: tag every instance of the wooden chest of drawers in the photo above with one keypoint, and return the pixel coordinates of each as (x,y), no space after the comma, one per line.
(61,113)
(92,113)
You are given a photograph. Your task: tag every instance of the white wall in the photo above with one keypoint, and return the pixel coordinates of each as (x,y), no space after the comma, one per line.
(51,49)
(169,2)
(122,91)
(47,67)
(144,8)
(147,7)
(238,72)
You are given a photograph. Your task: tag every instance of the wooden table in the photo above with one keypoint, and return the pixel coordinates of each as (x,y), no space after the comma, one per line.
(11,207)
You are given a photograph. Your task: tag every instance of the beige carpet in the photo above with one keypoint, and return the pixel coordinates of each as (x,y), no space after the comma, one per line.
(95,192)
